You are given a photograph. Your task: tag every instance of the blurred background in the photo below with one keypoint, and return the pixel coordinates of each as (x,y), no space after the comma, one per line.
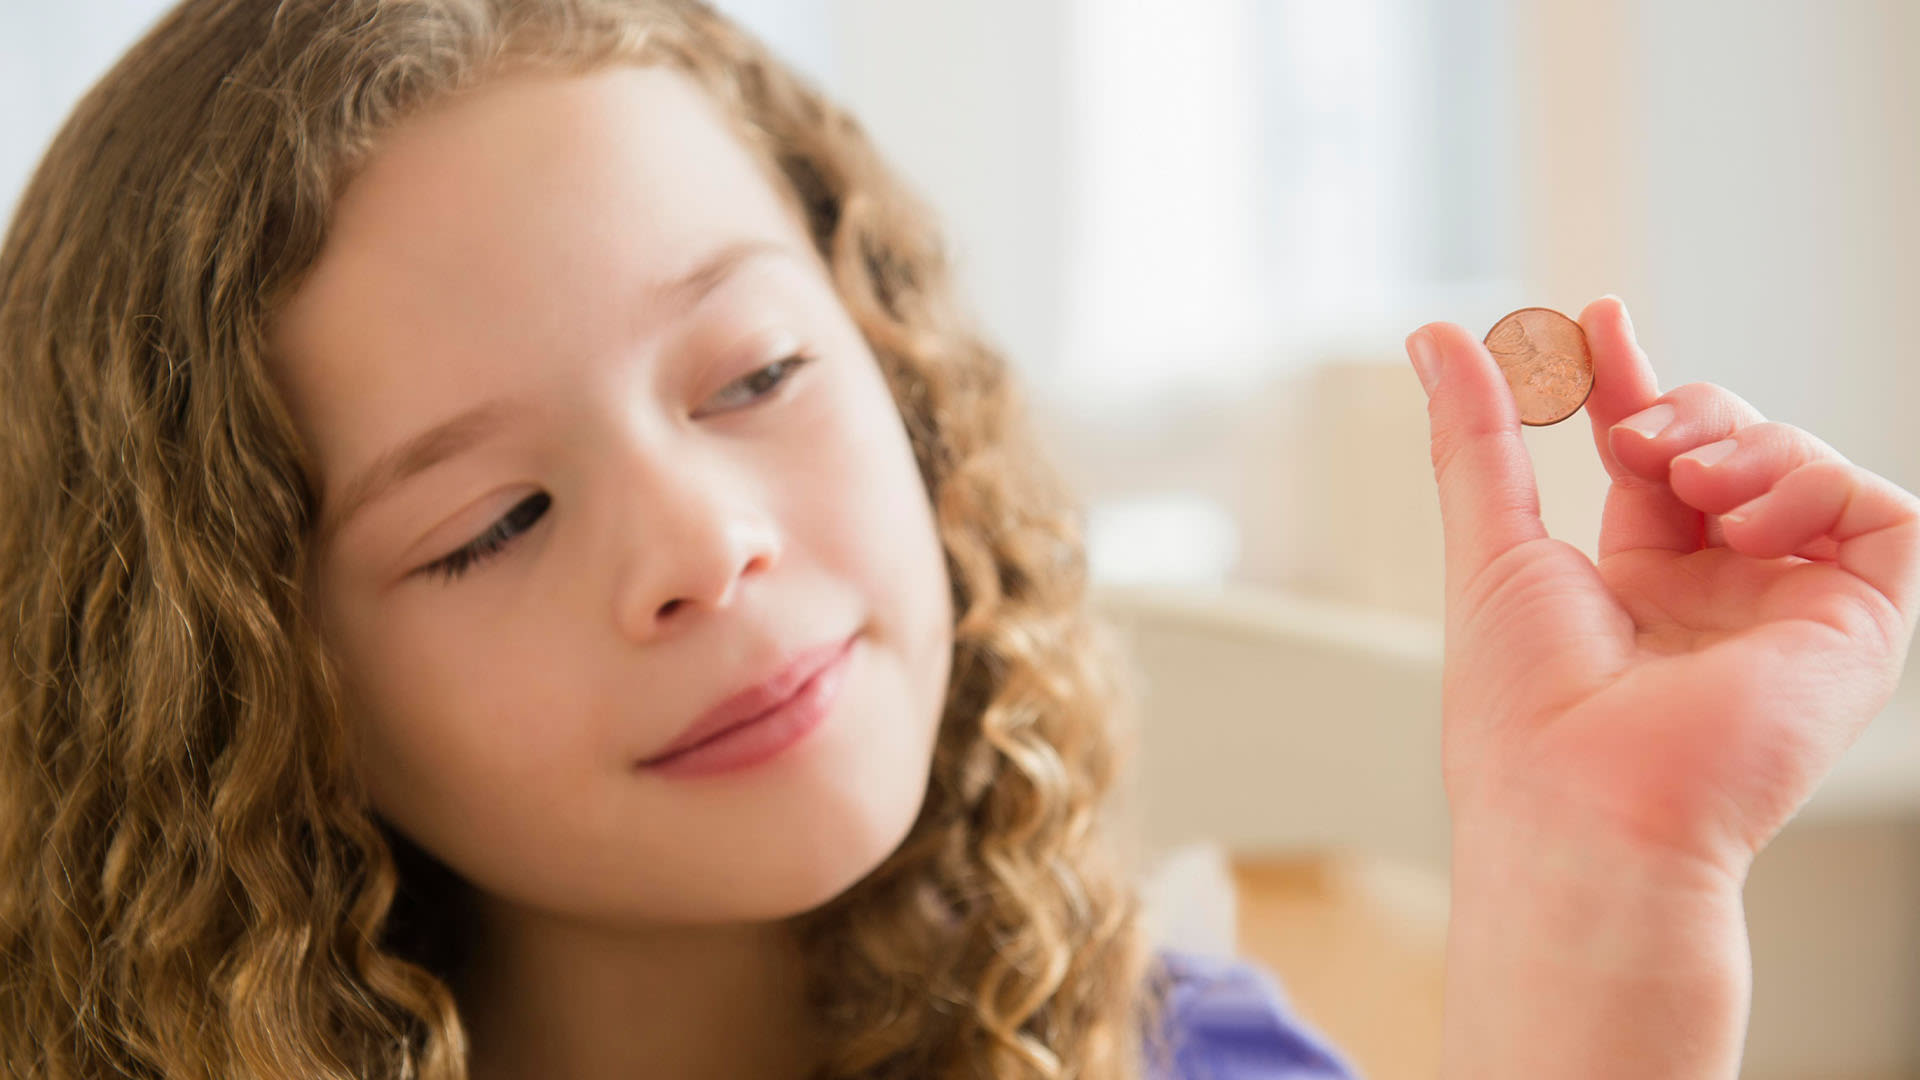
(1201,232)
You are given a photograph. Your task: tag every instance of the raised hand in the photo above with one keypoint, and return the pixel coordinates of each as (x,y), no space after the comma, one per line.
(1752,606)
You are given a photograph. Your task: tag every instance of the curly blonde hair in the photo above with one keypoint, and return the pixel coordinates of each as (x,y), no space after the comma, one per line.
(191,886)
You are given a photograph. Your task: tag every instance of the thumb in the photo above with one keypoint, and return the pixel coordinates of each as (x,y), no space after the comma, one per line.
(1488,501)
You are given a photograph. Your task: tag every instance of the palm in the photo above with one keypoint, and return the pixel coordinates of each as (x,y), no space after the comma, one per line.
(1686,694)
(1669,693)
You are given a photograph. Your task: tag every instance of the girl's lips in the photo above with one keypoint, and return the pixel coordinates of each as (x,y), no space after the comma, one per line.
(764,737)
(754,701)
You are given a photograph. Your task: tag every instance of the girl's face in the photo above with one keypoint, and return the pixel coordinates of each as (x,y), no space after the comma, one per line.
(673,515)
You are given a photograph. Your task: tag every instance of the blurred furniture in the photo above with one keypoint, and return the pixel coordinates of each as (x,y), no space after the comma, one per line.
(1287,794)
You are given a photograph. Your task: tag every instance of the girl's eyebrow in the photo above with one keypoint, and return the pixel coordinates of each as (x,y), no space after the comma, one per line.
(476,424)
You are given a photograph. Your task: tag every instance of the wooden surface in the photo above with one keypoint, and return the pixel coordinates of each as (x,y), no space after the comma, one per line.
(1359,946)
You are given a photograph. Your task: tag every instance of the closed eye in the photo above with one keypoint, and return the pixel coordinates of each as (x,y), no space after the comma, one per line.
(496,538)
(762,383)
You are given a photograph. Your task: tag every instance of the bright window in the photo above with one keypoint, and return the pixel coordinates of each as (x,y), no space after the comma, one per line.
(1257,183)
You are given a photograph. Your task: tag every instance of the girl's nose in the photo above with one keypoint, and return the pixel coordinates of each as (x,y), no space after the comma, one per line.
(695,550)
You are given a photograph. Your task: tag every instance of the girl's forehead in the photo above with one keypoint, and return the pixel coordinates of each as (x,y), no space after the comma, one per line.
(638,152)
(538,207)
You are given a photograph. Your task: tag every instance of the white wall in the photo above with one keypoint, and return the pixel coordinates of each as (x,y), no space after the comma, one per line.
(1782,237)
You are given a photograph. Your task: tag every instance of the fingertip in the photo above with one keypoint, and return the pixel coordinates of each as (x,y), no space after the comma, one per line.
(1452,347)
(1626,317)
(1623,377)
(1449,335)
(1608,311)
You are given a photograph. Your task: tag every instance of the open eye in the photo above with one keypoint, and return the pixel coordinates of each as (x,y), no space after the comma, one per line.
(765,381)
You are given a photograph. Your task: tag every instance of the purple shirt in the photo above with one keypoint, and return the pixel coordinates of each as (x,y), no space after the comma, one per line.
(1231,1020)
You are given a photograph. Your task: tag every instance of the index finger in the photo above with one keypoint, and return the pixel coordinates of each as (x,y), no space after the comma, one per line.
(1623,379)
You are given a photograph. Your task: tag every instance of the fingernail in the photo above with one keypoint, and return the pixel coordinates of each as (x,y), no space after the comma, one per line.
(1649,422)
(1426,360)
(1713,453)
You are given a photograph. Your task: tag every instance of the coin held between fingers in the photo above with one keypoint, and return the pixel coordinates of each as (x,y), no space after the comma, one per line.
(1545,358)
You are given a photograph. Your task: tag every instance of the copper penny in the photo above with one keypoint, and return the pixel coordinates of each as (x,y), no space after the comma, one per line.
(1544,356)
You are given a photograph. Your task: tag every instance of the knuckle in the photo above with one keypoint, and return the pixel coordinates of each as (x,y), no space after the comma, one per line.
(1714,401)
(1865,614)
(1909,503)
(1825,472)
(1690,393)
(1445,450)
(1450,443)
(1798,445)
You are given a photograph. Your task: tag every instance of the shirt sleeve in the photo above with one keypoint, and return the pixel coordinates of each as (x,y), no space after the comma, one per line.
(1229,1019)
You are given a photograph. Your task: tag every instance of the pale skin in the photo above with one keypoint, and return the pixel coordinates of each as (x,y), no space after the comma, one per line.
(697,513)
(1622,739)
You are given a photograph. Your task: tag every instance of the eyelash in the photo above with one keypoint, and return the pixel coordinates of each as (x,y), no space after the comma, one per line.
(517,521)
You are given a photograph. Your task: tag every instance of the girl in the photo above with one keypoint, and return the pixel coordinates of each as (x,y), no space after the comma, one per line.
(431,422)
